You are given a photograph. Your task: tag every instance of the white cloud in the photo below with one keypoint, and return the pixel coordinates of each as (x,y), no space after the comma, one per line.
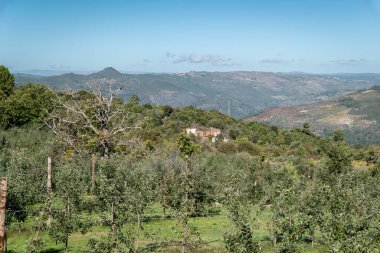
(170,55)
(58,66)
(274,61)
(214,60)
(278,60)
(349,61)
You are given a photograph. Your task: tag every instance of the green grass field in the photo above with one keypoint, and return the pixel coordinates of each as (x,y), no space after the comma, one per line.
(155,229)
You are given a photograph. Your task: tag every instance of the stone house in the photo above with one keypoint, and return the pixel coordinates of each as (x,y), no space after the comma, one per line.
(204,133)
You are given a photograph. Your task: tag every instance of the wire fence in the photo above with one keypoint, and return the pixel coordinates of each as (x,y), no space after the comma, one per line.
(150,245)
(143,217)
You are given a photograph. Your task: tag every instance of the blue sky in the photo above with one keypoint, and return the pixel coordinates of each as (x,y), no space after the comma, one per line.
(317,36)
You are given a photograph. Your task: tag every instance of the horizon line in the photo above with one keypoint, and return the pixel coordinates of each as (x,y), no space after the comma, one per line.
(89,72)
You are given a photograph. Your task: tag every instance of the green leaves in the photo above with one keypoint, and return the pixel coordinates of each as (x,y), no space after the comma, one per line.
(187,146)
(28,104)
(340,158)
(7,84)
(350,216)
(20,106)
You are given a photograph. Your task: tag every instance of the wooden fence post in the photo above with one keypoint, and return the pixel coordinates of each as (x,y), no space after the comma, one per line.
(3,200)
(49,176)
(49,192)
(93,174)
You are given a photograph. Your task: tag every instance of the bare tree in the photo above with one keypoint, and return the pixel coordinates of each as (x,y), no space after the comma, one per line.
(90,120)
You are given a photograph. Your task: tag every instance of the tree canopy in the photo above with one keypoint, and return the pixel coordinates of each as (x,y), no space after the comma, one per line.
(7,83)
(130,179)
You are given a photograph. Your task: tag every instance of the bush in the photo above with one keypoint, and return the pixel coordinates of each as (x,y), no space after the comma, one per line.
(249,147)
(227,147)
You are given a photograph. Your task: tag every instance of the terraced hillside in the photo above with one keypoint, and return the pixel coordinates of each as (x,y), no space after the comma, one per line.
(358,114)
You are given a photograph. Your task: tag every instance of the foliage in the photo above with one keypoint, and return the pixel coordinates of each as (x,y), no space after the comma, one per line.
(338,135)
(339,157)
(186,146)
(28,104)
(151,172)
(236,197)
(7,84)
(19,195)
(112,191)
(227,147)
(241,239)
(65,212)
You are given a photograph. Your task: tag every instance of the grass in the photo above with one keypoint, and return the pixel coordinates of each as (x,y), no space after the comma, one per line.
(210,228)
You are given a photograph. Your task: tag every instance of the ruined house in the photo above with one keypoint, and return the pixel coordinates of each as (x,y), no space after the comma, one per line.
(204,133)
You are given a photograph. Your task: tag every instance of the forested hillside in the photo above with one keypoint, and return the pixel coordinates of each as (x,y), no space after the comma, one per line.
(248,92)
(127,178)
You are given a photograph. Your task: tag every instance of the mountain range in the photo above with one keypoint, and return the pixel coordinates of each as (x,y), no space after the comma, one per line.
(247,92)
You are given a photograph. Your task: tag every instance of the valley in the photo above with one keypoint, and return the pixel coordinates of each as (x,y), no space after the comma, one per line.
(248,92)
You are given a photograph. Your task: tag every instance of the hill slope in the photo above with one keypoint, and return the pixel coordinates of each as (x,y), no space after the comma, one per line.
(358,114)
(248,92)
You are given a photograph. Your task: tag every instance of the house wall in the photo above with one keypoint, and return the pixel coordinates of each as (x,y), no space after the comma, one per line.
(204,133)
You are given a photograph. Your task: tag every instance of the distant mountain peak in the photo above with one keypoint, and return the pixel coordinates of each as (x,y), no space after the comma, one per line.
(110,69)
(108,72)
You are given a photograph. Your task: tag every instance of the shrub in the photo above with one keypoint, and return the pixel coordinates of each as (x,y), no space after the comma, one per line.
(227,147)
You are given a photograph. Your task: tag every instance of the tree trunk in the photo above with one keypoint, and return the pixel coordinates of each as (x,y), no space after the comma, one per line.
(113,227)
(138,232)
(49,192)
(67,217)
(185,235)
(93,174)
(3,200)
(138,211)
(66,244)
(106,148)
(186,207)
(6,241)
